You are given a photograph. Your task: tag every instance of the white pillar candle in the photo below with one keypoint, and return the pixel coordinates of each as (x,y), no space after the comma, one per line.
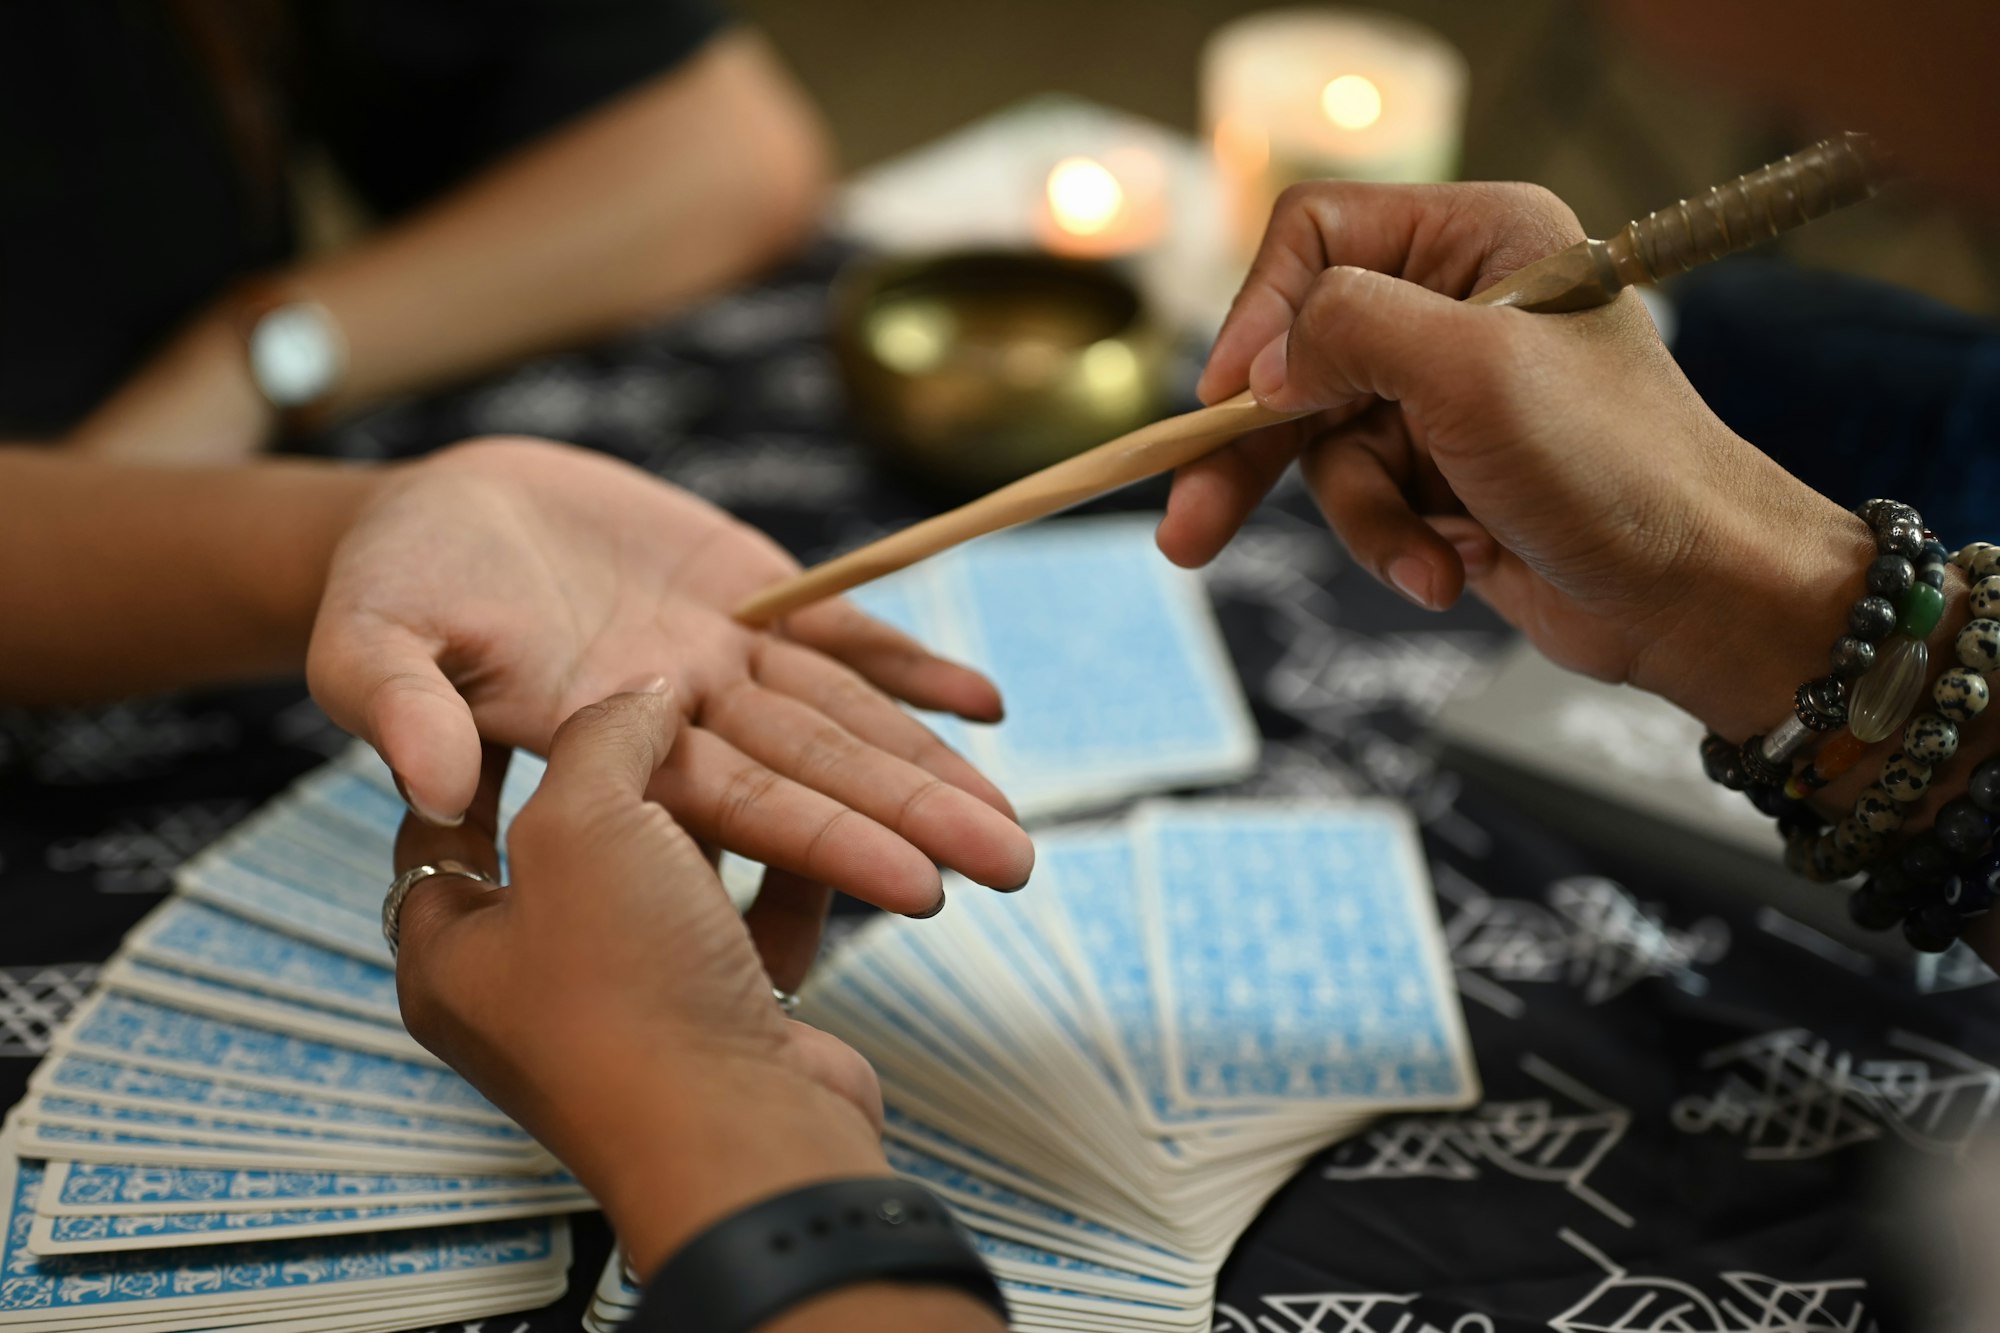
(1303,94)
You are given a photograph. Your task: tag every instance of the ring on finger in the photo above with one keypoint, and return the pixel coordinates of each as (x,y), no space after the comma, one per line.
(392,905)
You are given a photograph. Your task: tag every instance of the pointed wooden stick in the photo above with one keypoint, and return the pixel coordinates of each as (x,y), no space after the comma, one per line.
(1748,210)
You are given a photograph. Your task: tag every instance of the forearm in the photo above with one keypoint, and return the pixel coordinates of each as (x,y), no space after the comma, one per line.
(676,189)
(117,579)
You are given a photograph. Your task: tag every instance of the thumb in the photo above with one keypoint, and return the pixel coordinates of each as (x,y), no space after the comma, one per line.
(1361,334)
(386,688)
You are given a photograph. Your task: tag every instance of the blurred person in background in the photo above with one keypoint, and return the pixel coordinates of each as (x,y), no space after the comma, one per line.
(547,171)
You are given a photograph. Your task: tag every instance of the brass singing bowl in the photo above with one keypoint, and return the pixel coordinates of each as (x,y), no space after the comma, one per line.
(975,368)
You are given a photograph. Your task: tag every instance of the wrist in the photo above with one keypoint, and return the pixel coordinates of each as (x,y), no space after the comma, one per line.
(1765,600)
(668,1156)
(308,509)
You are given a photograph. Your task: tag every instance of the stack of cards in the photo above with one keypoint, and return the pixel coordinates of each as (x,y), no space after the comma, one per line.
(1109,1073)
(1115,676)
(236,1131)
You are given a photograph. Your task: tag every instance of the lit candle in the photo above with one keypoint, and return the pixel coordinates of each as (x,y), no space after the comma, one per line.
(1302,94)
(1100,207)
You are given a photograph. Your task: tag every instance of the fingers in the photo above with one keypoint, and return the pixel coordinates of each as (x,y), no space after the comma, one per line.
(1362,335)
(893,661)
(386,688)
(721,795)
(475,840)
(947,824)
(604,758)
(1451,239)
(844,696)
(1364,502)
(1213,495)
(785,921)
(435,905)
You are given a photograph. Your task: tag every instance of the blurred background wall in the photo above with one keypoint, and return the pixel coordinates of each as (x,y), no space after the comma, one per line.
(1558,96)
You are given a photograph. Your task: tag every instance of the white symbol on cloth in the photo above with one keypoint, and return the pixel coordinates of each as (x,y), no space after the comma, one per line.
(1541,1138)
(139,854)
(1342,1312)
(1593,935)
(35,1000)
(1791,1095)
(1747,1303)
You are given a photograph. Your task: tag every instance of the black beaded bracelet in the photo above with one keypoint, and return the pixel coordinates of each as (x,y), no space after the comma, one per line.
(1760,766)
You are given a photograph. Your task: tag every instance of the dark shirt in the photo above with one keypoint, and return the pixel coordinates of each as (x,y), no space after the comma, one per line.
(142,145)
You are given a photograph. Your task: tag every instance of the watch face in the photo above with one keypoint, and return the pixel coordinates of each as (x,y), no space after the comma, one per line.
(296,354)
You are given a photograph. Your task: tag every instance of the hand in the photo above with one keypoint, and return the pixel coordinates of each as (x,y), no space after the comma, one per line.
(194,402)
(493,589)
(611,1000)
(1561,464)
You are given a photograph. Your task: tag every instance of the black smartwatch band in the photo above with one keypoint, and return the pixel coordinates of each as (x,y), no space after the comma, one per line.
(758,1263)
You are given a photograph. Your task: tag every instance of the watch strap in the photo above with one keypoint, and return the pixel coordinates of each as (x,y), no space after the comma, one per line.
(763,1260)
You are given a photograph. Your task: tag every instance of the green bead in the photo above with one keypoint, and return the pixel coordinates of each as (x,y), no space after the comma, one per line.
(1922,606)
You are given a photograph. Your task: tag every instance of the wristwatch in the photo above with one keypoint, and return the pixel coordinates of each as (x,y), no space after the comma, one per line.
(296,352)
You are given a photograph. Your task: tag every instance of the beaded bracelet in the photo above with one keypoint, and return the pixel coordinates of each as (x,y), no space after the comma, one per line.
(1949,874)
(1758,766)
(1958,696)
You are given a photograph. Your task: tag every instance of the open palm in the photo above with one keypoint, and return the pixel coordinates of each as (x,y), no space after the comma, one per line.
(495,588)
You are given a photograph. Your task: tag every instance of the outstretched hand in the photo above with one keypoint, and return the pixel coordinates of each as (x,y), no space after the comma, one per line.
(495,588)
(609,998)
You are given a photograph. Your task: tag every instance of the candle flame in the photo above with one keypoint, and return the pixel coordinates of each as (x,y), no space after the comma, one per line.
(1351,102)
(1084,197)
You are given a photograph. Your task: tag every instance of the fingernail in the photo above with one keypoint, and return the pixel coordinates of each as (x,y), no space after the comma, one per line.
(925,916)
(1267,372)
(1412,578)
(428,816)
(653,684)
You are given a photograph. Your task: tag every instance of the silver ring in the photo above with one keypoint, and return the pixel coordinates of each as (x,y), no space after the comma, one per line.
(392,906)
(788,1000)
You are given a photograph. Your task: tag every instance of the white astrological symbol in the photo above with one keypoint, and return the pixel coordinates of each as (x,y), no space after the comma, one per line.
(1343,1312)
(1792,1094)
(1559,1139)
(1737,1302)
(35,1000)
(1593,935)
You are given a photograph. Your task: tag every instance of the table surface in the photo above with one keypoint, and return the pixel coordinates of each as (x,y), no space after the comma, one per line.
(1689,1104)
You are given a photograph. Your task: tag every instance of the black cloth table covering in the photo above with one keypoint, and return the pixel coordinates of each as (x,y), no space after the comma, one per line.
(1690,1106)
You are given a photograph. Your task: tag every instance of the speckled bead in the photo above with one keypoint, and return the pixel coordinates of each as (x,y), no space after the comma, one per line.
(1854,846)
(1979,645)
(1929,739)
(1890,576)
(1985,597)
(1985,565)
(1830,862)
(1798,853)
(1875,811)
(1968,558)
(1932,928)
(1882,700)
(1963,827)
(1926,860)
(1904,778)
(1984,786)
(1872,617)
(1960,694)
(1851,657)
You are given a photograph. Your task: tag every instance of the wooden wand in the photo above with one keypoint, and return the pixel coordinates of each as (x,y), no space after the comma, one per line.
(1753,208)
